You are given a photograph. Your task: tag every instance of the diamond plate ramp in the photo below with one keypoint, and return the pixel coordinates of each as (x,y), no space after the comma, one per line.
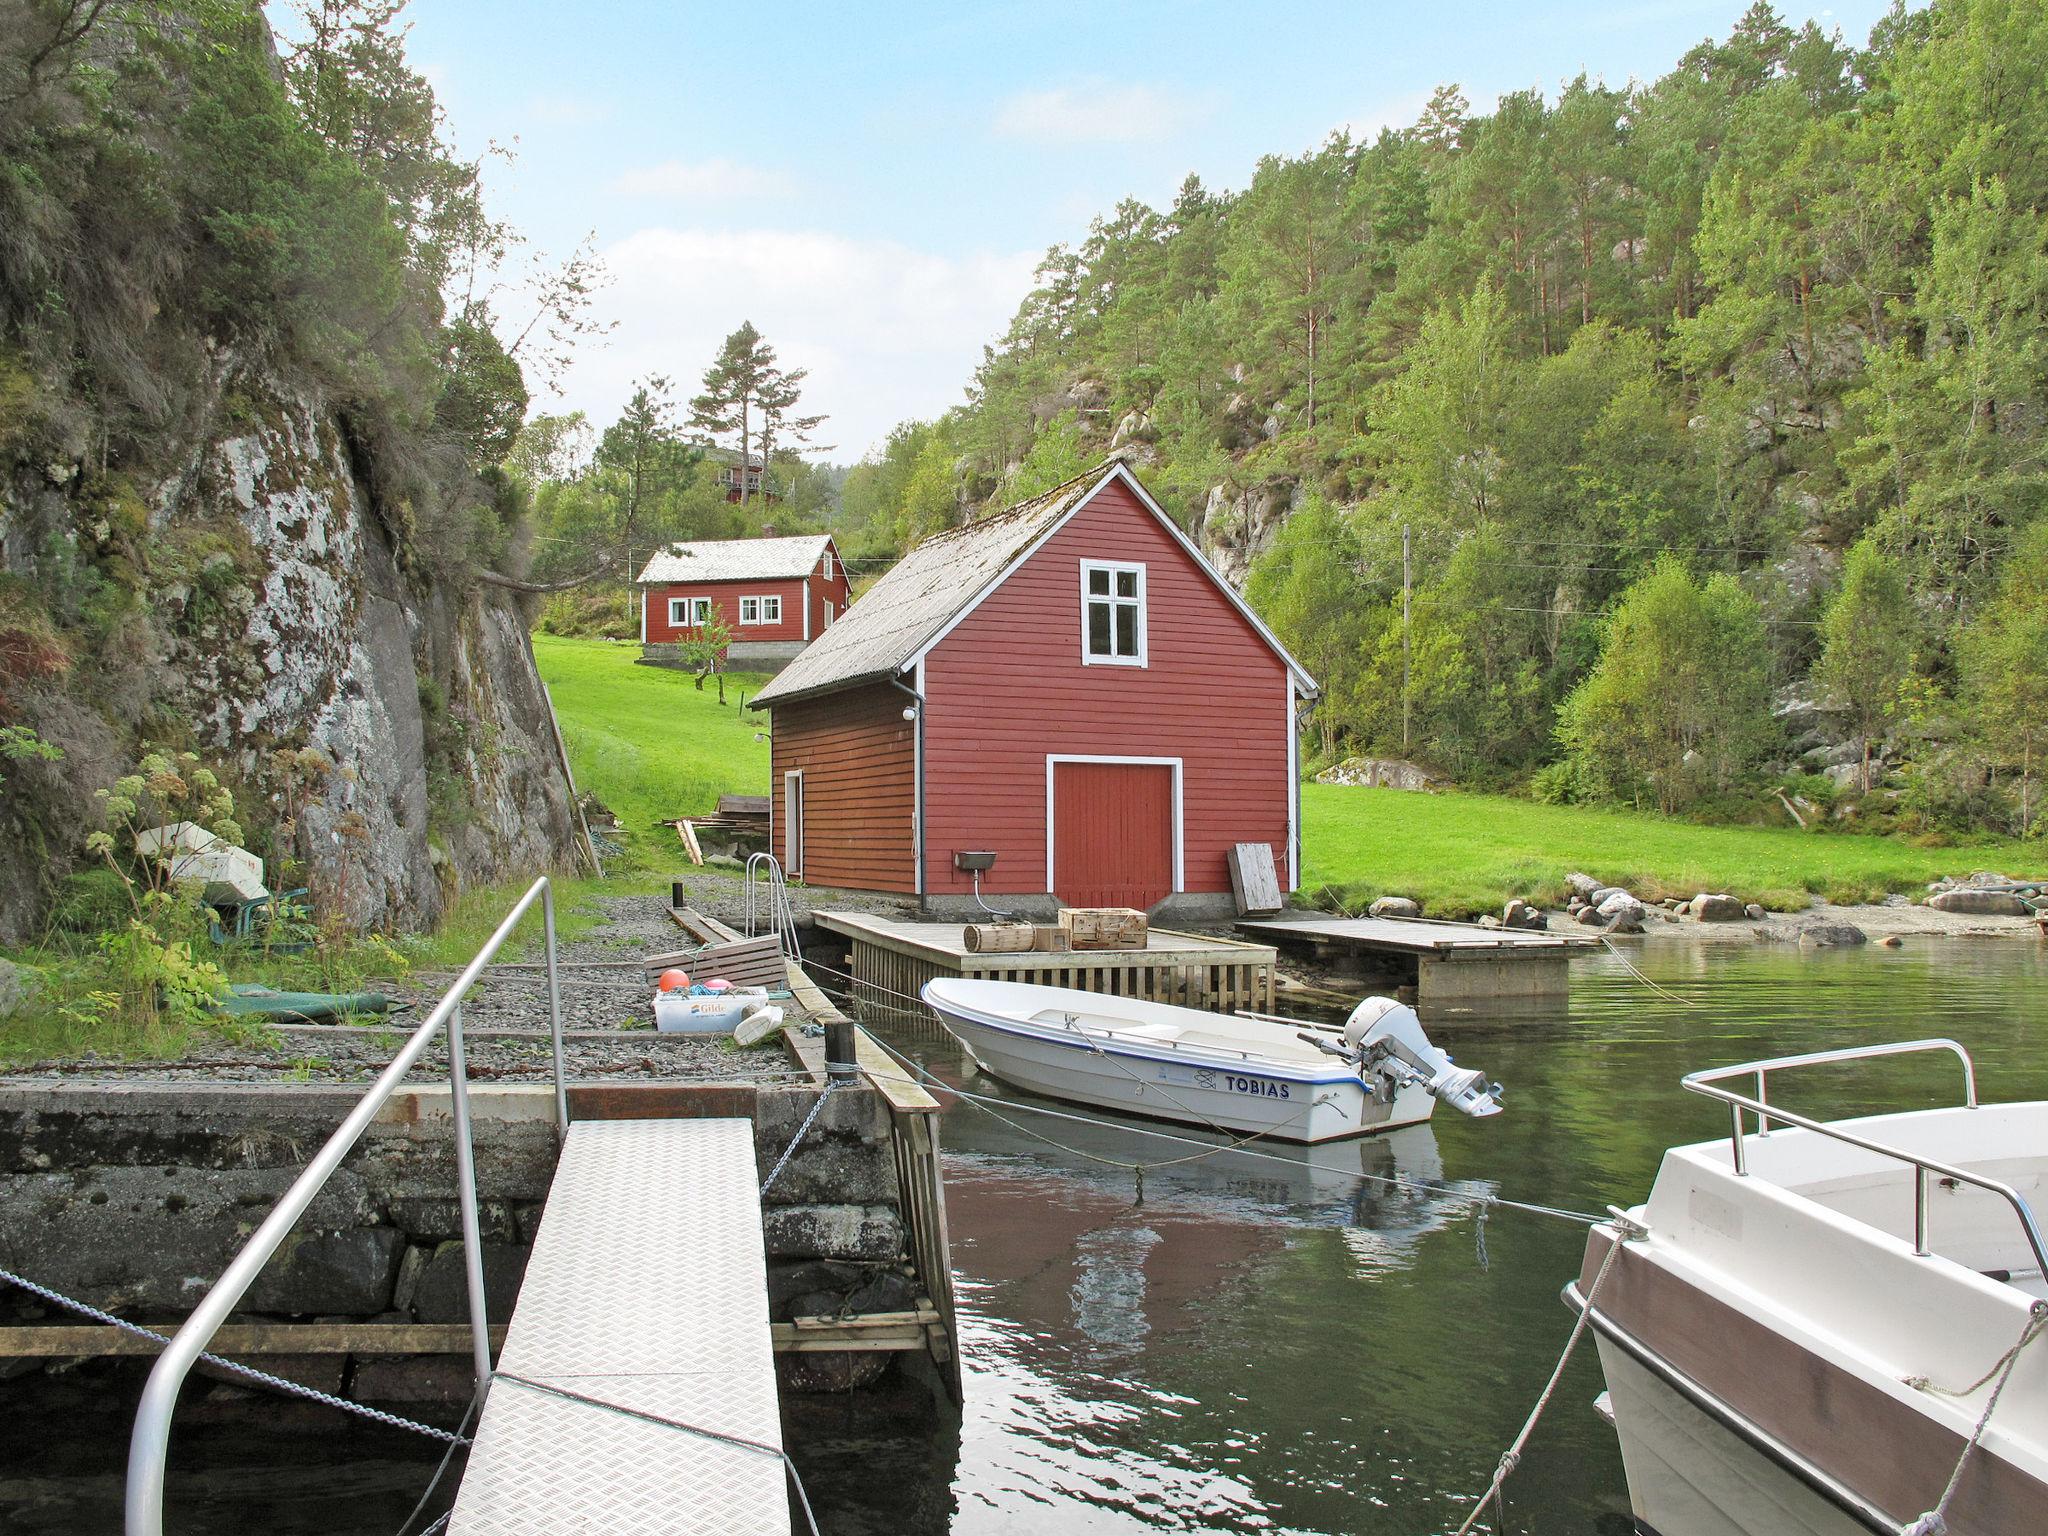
(647,1288)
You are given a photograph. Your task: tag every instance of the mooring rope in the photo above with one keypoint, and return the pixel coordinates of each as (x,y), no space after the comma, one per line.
(1630,966)
(760,1447)
(1935,1521)
(1512,1456)
(296,1389)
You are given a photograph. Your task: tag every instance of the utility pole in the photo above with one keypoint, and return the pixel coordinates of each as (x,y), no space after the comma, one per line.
(1407,588)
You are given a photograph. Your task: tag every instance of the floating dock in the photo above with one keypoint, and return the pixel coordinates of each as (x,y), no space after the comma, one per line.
(663,1218)
(1454,968)
(891,960)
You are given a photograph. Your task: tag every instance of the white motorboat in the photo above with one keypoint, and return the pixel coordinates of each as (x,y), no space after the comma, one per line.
(1283,1078)
(1807,1320)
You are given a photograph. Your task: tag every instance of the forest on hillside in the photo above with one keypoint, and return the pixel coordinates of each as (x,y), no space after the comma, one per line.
(1706,416)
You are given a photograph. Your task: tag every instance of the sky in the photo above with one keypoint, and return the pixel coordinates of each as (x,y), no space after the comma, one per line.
(872,184)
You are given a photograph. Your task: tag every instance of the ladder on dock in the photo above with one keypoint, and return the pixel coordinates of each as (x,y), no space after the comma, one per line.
(647,1292)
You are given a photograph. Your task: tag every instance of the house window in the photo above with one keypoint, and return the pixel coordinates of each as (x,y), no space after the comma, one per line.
(760,610)
(1112,614)
(688,612)
(828,565)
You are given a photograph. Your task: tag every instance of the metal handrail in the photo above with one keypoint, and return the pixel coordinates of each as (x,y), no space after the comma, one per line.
(149,1443)
(1706,1083)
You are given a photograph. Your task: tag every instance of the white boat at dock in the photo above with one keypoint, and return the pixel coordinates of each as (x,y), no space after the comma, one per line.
(1808,1320)
(1249,1075)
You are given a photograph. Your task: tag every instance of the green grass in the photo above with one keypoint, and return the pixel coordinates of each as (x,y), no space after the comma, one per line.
(1461,854)
(648,742)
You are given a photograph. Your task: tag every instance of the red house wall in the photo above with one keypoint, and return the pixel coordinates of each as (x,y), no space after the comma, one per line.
(858,757)
(1008,686)
(726,596)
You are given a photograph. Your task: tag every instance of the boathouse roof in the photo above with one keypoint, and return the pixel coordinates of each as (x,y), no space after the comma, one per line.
(775,559)
(916,602)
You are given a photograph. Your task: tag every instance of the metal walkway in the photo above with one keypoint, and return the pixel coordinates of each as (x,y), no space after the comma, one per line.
(647,1288)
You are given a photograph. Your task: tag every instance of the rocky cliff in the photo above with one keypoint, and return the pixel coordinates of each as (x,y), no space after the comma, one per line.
(385,730)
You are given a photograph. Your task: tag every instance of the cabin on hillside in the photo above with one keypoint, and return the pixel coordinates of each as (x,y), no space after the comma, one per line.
(776,595)
(746,479)
(1067,685)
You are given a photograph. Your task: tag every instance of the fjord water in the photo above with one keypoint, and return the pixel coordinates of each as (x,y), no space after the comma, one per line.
(1263,1347)
(1256,1346)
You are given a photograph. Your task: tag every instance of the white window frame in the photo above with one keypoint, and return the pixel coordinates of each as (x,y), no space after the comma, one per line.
(1114,568)
(828,564)
(696,611)
(759,606)
(1052,763)
(793,821)
(775,616)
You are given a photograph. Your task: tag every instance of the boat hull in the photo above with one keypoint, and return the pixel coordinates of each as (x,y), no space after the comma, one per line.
(1689,1474)
(1244,1098)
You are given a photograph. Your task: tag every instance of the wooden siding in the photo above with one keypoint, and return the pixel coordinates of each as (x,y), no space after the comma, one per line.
(726,595)
(860,800)
(1007,687)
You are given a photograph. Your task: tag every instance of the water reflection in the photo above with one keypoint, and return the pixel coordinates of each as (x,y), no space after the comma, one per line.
(1274,1344)
(1267,1344)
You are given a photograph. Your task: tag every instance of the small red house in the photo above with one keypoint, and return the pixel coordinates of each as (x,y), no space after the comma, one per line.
(776,596)
(1068,685)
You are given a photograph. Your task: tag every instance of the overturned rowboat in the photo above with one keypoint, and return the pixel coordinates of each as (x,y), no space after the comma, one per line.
(1249,1075)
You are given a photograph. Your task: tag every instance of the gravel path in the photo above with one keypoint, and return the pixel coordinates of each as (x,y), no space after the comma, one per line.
(605,1015)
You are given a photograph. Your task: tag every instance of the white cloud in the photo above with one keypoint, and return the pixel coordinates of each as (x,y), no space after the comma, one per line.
(887,332)
(716,180)
(1099,112)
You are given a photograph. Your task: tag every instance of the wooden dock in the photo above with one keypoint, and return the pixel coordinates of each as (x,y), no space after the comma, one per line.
(1454,968)
(890,960)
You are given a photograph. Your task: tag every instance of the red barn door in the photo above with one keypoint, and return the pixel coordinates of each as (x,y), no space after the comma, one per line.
(1112,833)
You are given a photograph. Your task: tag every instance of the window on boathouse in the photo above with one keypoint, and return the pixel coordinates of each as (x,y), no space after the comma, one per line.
(1112,614)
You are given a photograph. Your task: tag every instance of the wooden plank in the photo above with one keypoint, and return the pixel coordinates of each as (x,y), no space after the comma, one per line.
(688,834)
(237,1340)
(1254,882)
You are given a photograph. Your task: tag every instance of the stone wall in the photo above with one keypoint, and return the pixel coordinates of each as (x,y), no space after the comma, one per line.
(135,1197)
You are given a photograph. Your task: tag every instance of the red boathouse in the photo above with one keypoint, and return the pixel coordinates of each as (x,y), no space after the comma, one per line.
(776,595)
(1068,685)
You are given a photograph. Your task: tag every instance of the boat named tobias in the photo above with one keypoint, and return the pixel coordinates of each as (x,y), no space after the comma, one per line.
(1257,1075)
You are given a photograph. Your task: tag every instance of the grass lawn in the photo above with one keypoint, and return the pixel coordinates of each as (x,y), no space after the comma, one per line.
(1461,854)
(648,742)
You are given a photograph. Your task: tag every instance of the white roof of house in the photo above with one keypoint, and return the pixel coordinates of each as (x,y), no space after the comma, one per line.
(918,599)
(737,559)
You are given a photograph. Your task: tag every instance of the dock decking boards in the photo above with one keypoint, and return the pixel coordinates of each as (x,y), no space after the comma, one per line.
(892,959)
(647,1288)
(1456,968)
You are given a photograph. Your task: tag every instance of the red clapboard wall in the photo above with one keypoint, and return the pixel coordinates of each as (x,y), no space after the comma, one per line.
(725,596)
(1006,690)
(857,753)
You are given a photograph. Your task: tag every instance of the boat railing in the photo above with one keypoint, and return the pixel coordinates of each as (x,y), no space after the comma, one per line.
(149,1442)
(1708,1084)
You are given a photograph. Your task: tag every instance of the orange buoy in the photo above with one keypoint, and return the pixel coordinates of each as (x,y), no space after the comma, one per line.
(672,980)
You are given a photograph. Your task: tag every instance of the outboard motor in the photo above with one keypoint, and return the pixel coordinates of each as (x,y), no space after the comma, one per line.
(1391,1046)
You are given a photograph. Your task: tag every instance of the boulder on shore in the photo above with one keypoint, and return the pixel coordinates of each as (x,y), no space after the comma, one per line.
(1581,885)
(1619,904)
(1519,914)
(1395,906)
(1978,903)
(1753,912)
(1831,935)
(1707,908)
